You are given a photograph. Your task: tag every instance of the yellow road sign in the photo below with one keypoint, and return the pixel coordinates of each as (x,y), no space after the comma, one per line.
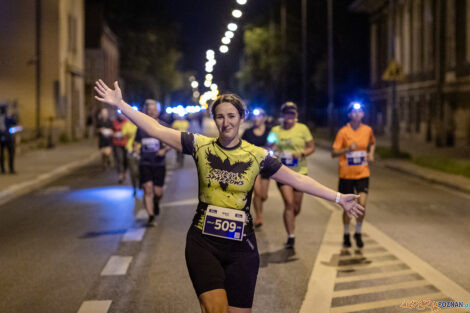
(394,72)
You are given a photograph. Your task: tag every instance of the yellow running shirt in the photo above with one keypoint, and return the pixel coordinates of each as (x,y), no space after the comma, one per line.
(290,141)
(226,175)
(129,129)
(181,125)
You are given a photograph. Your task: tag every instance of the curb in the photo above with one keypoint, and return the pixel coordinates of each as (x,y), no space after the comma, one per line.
(20,189)
(430,178)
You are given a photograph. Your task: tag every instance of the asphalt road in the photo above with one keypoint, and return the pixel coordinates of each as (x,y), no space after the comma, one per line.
(57,243)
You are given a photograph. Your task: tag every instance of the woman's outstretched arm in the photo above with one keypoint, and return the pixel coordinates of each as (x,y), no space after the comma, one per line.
(112,97)
(309,185)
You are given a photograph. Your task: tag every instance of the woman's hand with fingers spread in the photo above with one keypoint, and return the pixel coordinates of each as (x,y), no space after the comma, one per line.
(108,95)
(350,205)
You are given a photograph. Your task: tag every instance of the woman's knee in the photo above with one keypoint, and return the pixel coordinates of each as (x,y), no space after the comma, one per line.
(214,301)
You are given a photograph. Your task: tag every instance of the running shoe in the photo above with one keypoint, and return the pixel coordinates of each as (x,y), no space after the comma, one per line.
(346,241)
(359,242)
(290,243)
(258,224)
(151,221)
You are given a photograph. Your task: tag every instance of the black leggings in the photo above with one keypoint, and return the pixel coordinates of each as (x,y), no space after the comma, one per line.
(10,146)
(217,263)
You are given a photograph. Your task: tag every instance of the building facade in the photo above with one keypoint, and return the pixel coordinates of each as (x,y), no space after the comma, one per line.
(101,53)
(47,35)
(430,40)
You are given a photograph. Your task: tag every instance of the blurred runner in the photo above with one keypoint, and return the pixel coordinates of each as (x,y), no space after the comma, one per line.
(119,147)
(129,131)
(293,142)
(258,135)
(7,139)
(182,125)
(355,147)
(104,126)
(152,164)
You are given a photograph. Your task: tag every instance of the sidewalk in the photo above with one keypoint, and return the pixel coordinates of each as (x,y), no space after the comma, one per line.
(39,167)
(419,149)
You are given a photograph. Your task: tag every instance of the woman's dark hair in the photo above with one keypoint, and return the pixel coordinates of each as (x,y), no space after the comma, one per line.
(230,98)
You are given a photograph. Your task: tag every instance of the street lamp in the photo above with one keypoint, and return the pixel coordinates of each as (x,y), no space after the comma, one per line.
(210,54)
(194,84)
(241,2)
(232,27)
(207,83)
(229,34)
(214,87)
(225,40)
(223,49)
(237,13)
(209,77)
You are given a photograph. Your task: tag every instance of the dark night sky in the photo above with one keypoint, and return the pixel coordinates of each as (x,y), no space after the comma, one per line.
(202,25)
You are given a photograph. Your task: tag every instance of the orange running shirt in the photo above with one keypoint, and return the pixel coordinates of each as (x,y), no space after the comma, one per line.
(353,165)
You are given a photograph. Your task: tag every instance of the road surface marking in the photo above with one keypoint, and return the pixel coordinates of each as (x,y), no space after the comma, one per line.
(142,214)
(360,291)
(117,265)
(134,234)
(322,280)
(95,306)
(320,290)
(363,266)
(365,256)
(181,203)
(382,304)
(347,279)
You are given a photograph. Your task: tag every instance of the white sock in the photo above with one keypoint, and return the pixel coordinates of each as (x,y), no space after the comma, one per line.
(358,227)
(346,229)
(291,236)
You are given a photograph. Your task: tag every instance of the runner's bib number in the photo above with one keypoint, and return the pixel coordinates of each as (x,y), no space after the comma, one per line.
(288,160)
(150,145)
(224,223)
(356,158)
(107,132)
(118,135)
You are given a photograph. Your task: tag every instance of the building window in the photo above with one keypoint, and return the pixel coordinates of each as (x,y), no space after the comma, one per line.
(450,34)
(467,27)
(373,53)
(428,42)
(72,34)
(406,39)
(416,41)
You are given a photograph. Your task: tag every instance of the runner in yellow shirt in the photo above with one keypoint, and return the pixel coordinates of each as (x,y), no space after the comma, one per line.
(128,131)
(293,142)
(355,147)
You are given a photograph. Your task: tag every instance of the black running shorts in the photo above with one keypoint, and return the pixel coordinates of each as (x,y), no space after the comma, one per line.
(217,263)
(155,174)
(355,186)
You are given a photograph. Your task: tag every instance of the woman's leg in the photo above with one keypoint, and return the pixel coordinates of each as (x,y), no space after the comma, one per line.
(214,301)
(287,193)
(298,196)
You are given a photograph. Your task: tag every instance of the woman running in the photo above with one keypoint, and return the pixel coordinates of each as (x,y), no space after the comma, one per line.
(257,135)
(355,147)
(221,252)
(293,142)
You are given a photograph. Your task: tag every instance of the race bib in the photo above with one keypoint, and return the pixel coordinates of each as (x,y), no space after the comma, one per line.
(288,160)
(107,132)
(356,158)
(118,135)
(150,145)
(224,223)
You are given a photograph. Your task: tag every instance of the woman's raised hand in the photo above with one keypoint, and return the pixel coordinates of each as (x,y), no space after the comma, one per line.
(108,95)
(350,205)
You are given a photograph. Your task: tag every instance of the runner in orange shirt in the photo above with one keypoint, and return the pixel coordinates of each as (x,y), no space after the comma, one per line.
(355,147)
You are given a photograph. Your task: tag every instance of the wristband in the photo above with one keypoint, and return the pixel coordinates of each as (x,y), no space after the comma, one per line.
(338,197)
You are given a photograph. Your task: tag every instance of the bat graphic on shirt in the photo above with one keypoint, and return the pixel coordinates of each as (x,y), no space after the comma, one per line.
(236,169)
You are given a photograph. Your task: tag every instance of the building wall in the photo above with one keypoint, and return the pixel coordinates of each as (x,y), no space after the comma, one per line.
(18,66)
(431,40)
